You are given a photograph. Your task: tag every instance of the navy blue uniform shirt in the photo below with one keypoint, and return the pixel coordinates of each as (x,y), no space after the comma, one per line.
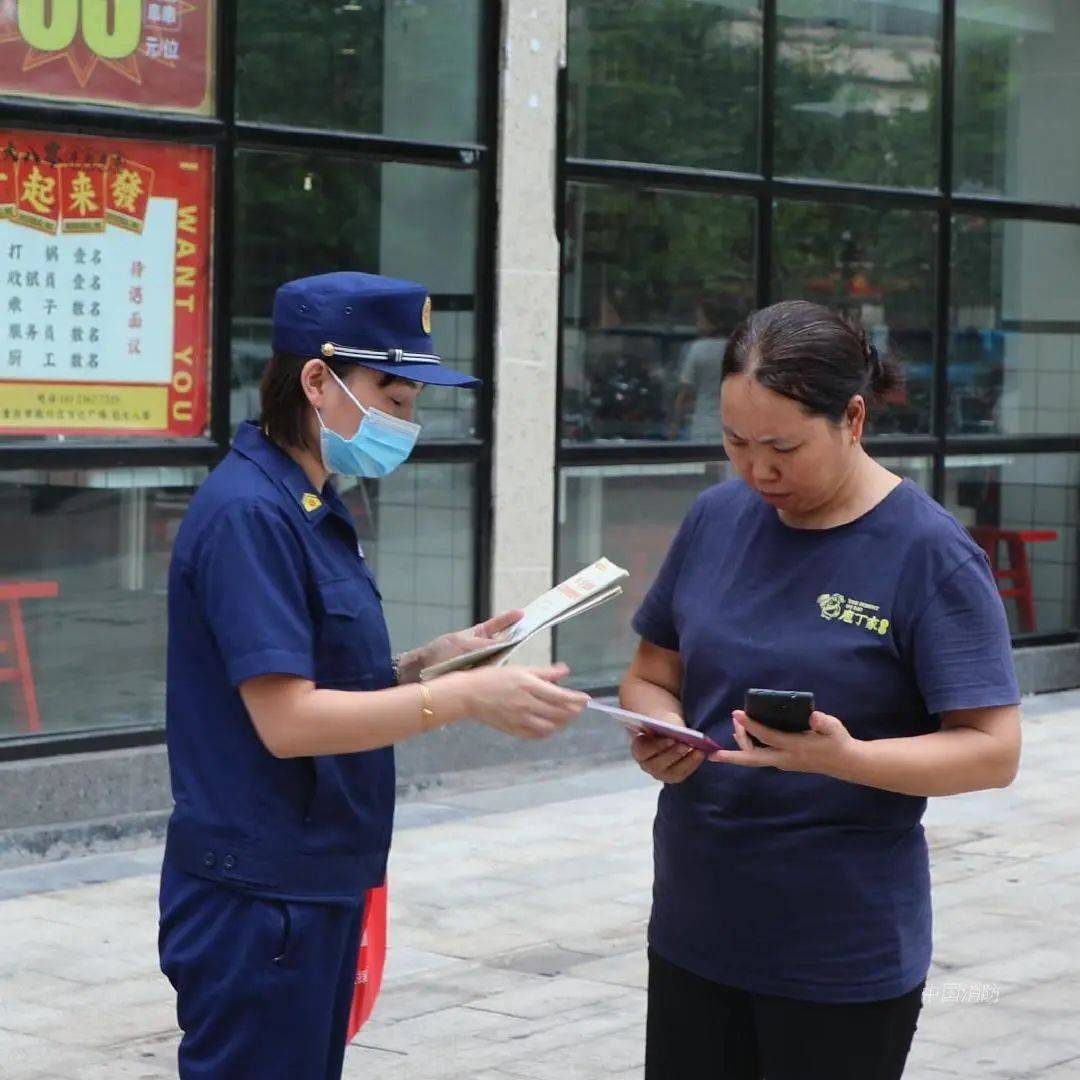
(797,884)
(267,577)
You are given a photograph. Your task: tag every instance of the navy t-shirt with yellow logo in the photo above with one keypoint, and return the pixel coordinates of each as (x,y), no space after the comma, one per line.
(797,884)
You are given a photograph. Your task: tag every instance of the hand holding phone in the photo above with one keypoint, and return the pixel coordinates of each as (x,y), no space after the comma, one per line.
(783,710)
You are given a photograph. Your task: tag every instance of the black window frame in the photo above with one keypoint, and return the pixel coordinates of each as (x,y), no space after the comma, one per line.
(228,136)
(767,188)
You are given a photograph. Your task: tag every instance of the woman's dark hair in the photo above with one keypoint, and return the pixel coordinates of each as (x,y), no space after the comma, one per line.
(284,405)
(813,356)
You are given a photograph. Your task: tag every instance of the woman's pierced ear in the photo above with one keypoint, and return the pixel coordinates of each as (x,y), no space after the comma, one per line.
(852,418)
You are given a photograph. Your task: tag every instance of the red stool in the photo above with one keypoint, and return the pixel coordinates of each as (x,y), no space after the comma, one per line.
(13,639)
(1018,571)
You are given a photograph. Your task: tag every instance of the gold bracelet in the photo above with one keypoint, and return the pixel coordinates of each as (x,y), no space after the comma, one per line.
(427,709)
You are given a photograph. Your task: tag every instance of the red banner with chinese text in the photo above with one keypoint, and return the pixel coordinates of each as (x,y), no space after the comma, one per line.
(105,286)
(145,55)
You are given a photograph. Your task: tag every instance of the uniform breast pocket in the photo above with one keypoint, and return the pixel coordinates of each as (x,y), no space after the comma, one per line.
(353,645)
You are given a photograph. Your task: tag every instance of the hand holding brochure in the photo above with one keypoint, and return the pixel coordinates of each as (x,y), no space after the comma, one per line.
(588,588)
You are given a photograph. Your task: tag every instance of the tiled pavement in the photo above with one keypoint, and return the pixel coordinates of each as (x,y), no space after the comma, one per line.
(518,921)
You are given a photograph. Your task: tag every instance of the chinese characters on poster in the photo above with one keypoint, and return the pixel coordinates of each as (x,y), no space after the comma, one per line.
(105,284)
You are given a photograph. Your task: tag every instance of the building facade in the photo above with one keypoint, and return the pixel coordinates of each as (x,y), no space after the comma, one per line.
(595,191)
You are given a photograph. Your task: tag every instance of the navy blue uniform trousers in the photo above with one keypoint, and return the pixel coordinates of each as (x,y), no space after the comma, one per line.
(263,986)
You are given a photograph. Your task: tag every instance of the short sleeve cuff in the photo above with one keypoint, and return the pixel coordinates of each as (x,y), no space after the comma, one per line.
(973,697)
(653,631)
(270,662)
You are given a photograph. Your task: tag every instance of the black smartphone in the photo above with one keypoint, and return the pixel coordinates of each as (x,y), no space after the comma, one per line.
(785,710)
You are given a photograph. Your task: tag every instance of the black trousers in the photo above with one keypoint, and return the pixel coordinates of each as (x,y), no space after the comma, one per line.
(700,1030)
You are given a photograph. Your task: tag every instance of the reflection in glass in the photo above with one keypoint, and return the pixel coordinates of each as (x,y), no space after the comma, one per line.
(1022,509)
(99,543)
(857,86)
(86,555)
(302,214)
(653,282)
(1017,95)
(876,267)
(417,529)
(384,67)
(1014,363)
(672,81)
(602,513)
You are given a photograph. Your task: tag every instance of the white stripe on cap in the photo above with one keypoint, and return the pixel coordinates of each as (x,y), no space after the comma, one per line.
(382,356)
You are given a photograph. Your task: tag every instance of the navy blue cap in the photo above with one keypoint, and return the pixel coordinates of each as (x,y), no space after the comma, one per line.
(367,319)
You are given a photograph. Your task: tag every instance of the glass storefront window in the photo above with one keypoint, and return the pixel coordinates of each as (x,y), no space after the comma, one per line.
(876,267)
(408,221)
(671,81)
(857,101)
(601,513)
(84,559)
(1023,510)
(857,90)
(383,67)
(417,528)
(84,562)
(654,281)
(1014,363)
(1017,94)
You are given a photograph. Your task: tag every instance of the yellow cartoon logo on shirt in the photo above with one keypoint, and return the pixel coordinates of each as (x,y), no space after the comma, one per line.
(311,503)
(836,606)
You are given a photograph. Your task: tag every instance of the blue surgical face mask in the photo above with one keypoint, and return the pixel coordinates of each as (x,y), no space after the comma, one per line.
(382,442)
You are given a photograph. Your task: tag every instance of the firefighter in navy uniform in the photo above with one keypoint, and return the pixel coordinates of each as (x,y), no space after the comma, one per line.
(284,701)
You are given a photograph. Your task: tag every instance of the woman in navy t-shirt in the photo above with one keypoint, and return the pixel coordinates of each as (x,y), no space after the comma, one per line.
(791,926)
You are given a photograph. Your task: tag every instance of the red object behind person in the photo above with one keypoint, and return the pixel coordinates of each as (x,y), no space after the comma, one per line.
(370,961)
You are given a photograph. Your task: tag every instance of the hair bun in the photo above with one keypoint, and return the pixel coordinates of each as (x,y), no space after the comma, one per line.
(884,373)
(873,361)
